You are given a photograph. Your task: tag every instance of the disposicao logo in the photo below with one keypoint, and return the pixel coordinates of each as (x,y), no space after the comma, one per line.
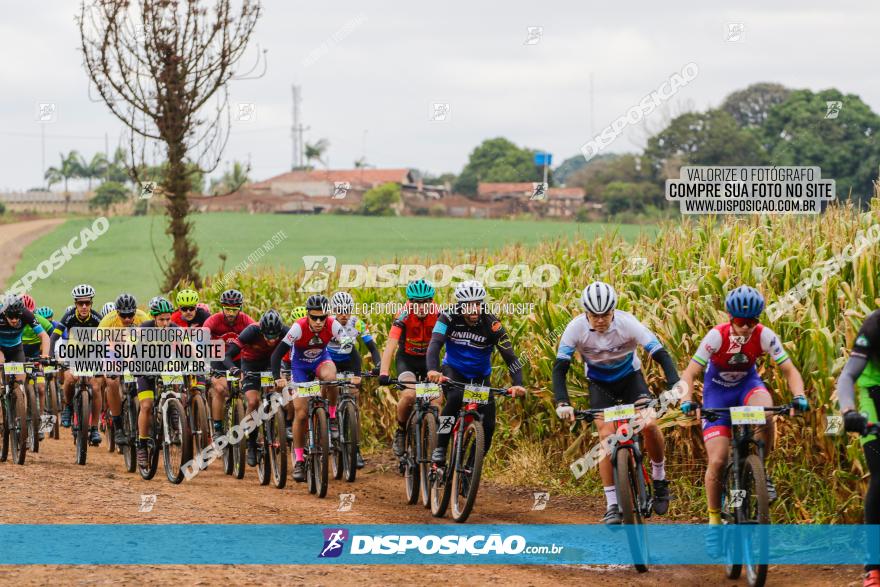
(334,540)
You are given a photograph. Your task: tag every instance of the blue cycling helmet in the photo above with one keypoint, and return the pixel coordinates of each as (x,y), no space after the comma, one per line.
(745,302)
(419,289)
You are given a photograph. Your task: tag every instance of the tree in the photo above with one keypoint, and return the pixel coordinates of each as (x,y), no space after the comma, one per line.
(800,131)
(378,201)
(751,106)
(71,167)
(564,172)
(156,66)
(361,163)
(117,168)
(703,138)
(497,160)
(107,194)
(232,180)
(315,151)
(94,169)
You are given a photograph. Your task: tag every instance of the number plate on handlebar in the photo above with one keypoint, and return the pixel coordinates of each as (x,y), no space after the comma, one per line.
(172,378)
(48,368)
(622,412)
(83,373)
(231,377)
(14,368)
(427,390)
(476,394)
(128,378)
(308,389)
(742,415)
(266,379)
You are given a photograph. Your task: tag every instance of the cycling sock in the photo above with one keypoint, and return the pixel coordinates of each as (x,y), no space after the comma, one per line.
(142,441)
(714,516)
(658,470)
(298,452)
(610,495)
(117,422)
(332,411)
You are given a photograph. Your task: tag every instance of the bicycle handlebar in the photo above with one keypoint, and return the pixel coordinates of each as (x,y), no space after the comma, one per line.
(713,414)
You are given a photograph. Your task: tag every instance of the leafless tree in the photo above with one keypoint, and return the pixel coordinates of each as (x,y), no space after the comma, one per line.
(162,68)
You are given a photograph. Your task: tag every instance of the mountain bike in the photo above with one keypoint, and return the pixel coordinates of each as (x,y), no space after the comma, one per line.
(420,437)
(344,450)
(744,495)
(81,405)
(272,434)
(317,449)
(54,397)
(460,478)
(632,483)
(129,414)
(34,409)
(234,454)
(13,415)
(197,413)
(169,429)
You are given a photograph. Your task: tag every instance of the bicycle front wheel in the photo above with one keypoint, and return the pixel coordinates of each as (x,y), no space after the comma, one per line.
(18,425)
(428,434)
(625,485)
(4,429)
(319,453)
(82,413)
(129,427)
(349,431)
(410,461)
(466,474)
(278,449)
(176,442)
(239,449)
(755,509)
(33,417)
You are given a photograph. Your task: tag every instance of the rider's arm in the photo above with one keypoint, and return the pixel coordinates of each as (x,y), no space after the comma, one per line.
(690,373)
(285,345)
(438,339)
(567,346)
(505,348)
(356,361)
(660,355)
(771,345)
(846,383)
(374,351)
(391,344)
(232,349)
(365,335)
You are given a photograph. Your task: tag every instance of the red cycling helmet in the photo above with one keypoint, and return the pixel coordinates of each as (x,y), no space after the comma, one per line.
(28,302)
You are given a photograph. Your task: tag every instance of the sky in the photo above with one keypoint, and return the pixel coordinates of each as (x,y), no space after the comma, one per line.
(370,74)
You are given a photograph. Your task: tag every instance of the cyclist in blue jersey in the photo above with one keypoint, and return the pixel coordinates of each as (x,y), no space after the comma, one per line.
(470,335)
(14,318)
(606,340)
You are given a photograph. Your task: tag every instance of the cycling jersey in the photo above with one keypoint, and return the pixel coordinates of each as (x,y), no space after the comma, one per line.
(198,320)
(608,356)
(414,333)
(340,350)
(308,349)
(30,337)
(112,320)
(10,336)
(252,344)
(469,348)
(867,346)
(72,320)
(731,358)
(220,328)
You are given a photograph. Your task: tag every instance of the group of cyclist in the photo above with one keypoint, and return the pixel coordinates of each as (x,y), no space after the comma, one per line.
(321,341)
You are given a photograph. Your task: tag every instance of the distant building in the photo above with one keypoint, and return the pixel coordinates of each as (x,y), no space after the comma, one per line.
(323,182)
(520,197)
(46,202)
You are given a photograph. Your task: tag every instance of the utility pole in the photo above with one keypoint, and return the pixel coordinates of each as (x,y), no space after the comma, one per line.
(297,129)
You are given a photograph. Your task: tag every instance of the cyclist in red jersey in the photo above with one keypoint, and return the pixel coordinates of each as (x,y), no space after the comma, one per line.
(410,336)
(226,326)
(189,312)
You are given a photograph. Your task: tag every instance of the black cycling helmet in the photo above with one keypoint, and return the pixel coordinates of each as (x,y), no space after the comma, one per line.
(126,304)
(12,306)
(231,297)
(318,302)
(271,324)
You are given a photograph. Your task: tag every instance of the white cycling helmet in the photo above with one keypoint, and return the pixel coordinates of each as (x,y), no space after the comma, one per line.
(342,303)
(599,298)
(470,291)
(83,290)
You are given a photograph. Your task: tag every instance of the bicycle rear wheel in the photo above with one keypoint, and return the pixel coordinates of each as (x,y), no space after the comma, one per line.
(755,509)
(320,452)
(732,570)
(177,442)
(201,435)
(411,471)
(278,449)
(57,404)
(33,417)
(441,482)
(18,424)
(153,443)
(428,433)
(625,485)
(82,413)
(466,477)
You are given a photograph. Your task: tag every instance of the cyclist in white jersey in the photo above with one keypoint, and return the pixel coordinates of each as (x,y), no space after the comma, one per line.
(606,340)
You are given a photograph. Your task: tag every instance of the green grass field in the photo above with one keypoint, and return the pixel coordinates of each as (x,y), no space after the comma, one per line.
(123,258)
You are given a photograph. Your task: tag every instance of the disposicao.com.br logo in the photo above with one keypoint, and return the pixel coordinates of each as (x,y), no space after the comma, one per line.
(452,544)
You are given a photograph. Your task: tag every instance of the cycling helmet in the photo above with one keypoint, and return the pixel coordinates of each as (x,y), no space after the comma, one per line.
(271,325)
(231,297)
(126,304)
(45,311)
(12,306)
(204,307)
(317,302)
(470,291)
(83,290)
(419,289)
(160,305)
(342,303)
(300,312)
(599,298)
(28,302)
(744,302)
(107,308)
(187,297)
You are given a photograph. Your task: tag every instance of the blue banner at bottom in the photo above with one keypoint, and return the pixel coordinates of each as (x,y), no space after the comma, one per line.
(589,544)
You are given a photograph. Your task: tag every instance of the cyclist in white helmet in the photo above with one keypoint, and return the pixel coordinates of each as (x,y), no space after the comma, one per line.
(606,340)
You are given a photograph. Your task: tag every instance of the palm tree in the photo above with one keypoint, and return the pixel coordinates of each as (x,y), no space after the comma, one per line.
(231,180)
(315,151)
(70,168)
(96,168)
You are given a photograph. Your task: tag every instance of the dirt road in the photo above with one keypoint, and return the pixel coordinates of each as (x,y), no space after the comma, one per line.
(15,237)
(49,488)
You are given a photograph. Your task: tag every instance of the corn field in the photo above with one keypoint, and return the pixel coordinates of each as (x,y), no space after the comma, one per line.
(690,266)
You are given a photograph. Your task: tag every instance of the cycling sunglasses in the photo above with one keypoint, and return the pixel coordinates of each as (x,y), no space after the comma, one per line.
(83,302)
(320,318)
(126,315)
(742,322)
(187,308)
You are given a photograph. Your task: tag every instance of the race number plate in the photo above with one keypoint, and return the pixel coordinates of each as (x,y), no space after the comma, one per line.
(83,373)
(427,390)
(48,368)
(128,378)
(231,377)
(308,389)
(172,378)
(347,377)
(742,415)
(622,412)
(476,394)
(14,368)
(266,379)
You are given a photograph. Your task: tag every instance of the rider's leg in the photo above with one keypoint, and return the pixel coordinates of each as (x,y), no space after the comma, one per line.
(218,398)
(717,440)
(300,426)
(326,371)
(767,433)
(146,399)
